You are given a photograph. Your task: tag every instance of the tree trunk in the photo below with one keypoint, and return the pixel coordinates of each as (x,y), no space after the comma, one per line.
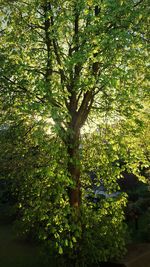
(74,171)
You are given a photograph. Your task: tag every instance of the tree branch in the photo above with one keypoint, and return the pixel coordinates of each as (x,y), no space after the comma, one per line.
(84,109)
(56,51)
(43,100)
(99,90)
(138,3)
(35,26)
(48,43)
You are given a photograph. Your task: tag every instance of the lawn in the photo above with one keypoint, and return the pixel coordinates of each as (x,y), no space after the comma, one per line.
(15,253)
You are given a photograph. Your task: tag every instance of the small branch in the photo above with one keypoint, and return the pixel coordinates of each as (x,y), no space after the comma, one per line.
(58,59)
(2,31)
(16,84)
(98,90)
(32,69)
(40,13)
(29,130)
(138,3)
(41,99)
(35,26)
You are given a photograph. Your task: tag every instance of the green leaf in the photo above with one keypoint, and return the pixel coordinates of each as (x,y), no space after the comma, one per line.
(60,250)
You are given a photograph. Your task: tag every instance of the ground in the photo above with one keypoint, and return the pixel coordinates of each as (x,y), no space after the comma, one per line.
(15,253)
(138,255)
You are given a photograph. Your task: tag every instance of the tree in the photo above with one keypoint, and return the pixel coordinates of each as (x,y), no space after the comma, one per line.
(69,60)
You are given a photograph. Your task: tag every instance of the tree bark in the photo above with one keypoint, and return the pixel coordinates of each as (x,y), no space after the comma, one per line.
(74,171)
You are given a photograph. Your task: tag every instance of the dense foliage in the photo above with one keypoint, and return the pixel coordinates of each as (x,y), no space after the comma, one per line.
(65,64)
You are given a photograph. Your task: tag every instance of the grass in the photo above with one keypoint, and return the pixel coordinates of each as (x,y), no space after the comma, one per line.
(15,253)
